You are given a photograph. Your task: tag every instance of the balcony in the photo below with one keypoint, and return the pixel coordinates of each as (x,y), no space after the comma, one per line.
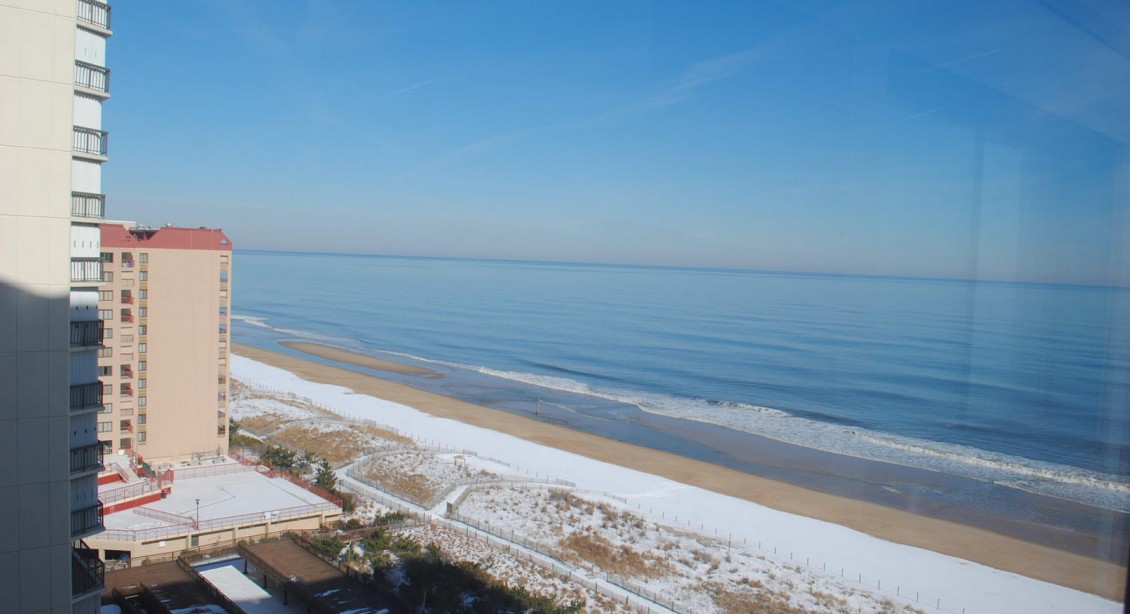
(127,300)
(85,204)
(126,425)
(126,317)
(221,430)
(86,458)
(86,334)
(86,270)
(126,389)
(87,571)
(90,141)
(86,521)
(126,373)
(94,13)
(92,77)
(86,396)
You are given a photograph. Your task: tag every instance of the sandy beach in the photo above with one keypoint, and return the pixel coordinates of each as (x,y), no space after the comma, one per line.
(970,543)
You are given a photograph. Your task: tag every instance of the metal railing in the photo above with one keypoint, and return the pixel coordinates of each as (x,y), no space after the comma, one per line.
(86,396)
(88,572)
(87,204)
(93,12)
(92,76)
(91,141)
(86,520)
(214,524)
(86,458)
(86,334)
(86,269)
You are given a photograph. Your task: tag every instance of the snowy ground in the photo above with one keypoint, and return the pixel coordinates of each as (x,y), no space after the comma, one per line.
(420,475)
(680,536)
(698,573)
(512,568)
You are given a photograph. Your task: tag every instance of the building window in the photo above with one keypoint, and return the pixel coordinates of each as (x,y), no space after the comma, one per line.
(141,383)
(141,418)
(193,541)
(107,257)
(143,258)
(223,310)
(143,276)
(142,401)
(142,312)
(107,276)
(142,348)
(106,408)
(143,329)
(107,333)
(141,365)
(105,371)
(105,352)
(107,389)
(141,437)
(105,295)
(105,314)
(143,294)
(223,277)
(105,427)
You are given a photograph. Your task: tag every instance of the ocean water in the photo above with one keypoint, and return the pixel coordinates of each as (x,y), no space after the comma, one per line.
(1019,386)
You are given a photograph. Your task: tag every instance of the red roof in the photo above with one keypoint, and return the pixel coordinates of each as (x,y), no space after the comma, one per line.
(167,237)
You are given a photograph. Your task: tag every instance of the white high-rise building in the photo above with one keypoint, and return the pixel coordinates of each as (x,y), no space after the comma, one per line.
(53,82)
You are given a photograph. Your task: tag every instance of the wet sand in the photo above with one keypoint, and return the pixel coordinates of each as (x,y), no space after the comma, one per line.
(967,542)
(361,360)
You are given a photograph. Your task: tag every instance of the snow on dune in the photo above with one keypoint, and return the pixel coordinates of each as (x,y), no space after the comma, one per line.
(703,541)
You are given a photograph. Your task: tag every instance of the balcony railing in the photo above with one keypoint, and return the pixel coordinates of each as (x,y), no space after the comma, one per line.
(86,521)
(92,76)
(126,426)
(86,396)
(127,373)
(127,317)
(86,270)
(221,430)
(127,300)
(86,334)
(88,573)
(85,204)
(93,12)
(91,141)
(126,390)
(86,458)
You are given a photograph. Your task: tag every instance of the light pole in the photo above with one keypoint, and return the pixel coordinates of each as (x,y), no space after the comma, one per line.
(198,514)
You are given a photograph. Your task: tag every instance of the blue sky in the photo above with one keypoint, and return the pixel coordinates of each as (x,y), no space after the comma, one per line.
(951,139)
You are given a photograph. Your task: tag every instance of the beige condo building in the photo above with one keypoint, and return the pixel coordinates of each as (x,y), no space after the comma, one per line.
(164,305)
(53,82)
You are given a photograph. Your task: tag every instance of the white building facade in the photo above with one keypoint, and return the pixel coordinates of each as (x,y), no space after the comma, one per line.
(53,82)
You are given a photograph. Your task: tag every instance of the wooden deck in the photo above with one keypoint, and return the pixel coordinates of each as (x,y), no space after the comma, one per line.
(170,587)
(304,576)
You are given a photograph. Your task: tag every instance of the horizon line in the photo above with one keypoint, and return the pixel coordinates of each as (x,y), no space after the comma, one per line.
(678,267)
